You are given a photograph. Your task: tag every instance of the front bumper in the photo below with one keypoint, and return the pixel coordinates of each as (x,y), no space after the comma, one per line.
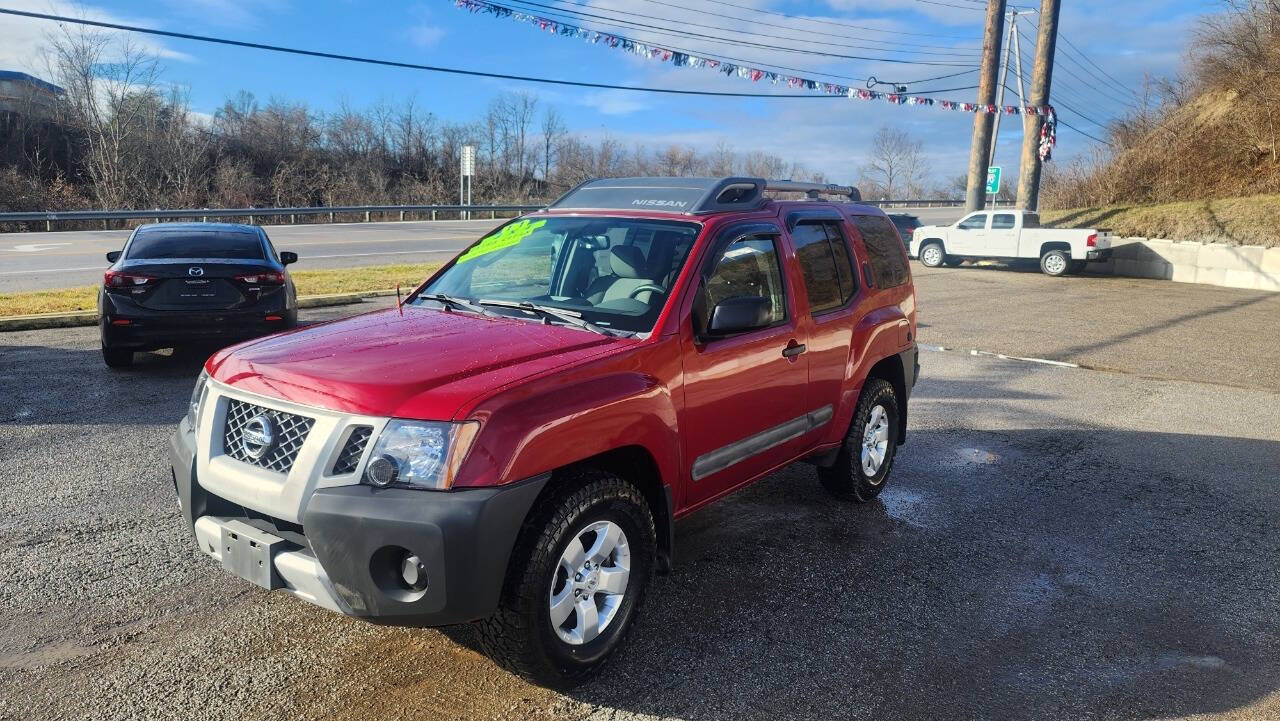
(345,555)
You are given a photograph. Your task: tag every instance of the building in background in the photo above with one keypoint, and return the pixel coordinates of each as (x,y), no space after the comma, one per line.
(25,94)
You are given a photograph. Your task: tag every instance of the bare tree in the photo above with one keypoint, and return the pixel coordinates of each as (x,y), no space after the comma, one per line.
(896,164)
(553,130)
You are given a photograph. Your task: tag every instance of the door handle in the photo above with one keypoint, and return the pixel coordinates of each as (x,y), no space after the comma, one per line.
(793,349)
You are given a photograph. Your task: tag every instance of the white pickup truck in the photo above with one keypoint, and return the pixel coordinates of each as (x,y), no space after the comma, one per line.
(1009,234)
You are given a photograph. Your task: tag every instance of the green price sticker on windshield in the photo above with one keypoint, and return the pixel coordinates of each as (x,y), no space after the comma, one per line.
(507,237)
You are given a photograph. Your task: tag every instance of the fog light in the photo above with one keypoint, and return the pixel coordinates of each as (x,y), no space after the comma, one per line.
(381,471)
(413,572)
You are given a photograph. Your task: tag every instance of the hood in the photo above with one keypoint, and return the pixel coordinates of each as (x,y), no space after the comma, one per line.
(424,364)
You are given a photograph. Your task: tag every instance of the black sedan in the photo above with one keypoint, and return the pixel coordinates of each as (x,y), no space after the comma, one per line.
(177,284)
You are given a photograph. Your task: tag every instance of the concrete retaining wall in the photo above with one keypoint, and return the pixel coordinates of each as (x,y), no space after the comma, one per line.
(1248,266)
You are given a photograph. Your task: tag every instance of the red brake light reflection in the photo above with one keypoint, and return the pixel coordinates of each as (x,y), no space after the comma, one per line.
(266,278)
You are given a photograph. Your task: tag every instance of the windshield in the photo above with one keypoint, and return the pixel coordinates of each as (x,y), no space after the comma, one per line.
(156,244)
(614,273)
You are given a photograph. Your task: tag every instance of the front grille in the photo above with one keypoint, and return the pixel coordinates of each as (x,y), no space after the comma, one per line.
(289,432)
(349,458)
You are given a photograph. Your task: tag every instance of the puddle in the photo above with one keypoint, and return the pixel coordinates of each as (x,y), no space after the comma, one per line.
(907,506)
(978,455)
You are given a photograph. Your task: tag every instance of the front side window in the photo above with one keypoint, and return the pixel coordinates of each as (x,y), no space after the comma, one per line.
(977,221)
(884,251)
(1002,221)
(615,273)
(747,267)
(825,263)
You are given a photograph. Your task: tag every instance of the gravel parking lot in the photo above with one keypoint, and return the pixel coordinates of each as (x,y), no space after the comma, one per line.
(1055,543)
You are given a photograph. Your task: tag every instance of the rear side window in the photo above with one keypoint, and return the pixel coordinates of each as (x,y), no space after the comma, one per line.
(159,244)
(1002,221)
(884,251)
(825,263)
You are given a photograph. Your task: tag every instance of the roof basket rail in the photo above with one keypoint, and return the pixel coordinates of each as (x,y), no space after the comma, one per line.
(813,190)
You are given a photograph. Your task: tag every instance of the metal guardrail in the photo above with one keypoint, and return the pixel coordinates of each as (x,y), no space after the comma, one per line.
(204,214)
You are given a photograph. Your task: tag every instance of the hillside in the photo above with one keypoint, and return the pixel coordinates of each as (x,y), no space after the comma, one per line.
(1252,220)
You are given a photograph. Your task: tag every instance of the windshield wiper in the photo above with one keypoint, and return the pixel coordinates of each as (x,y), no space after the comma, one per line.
(450,301)
(549,312)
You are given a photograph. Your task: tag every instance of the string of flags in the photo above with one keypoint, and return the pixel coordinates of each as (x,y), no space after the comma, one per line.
(1048,134)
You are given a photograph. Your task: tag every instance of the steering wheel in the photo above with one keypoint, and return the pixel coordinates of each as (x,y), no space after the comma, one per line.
(647,288)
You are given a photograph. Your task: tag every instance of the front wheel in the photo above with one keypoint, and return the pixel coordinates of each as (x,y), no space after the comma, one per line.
(1055,263)
(577,578)
(932,255)
(862,466)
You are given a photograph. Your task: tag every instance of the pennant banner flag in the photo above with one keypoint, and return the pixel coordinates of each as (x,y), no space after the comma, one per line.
(1048,135)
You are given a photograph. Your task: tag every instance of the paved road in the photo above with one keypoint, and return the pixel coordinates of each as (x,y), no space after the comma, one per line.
(1150,327)
(37,261)
(1055,543)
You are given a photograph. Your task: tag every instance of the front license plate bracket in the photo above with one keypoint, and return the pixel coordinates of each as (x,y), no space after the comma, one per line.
(250,554)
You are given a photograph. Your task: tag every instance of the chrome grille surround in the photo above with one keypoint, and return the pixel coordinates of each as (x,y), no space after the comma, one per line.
(290,430)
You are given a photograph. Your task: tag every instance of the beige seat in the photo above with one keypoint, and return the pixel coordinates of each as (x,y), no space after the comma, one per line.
(628,272)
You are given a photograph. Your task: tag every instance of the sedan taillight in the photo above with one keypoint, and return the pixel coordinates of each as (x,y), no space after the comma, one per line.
(121,279)
(264,278)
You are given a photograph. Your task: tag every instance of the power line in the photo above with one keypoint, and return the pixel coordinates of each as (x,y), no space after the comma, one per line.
(687,23)
(1066,68)
(802,30)
(741,43)
(1078,130)
(835,22)
(392,63)
(1081,55)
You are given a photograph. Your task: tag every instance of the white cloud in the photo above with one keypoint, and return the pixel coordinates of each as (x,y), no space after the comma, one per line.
(228,13)
(26,39)
(613,102)
(425,35)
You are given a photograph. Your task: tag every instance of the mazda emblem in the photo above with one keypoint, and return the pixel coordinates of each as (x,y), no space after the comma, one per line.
(195,270)
(258,436)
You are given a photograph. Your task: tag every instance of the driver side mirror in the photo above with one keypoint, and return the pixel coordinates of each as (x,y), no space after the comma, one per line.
(113,256)
(287,257)
(739,313)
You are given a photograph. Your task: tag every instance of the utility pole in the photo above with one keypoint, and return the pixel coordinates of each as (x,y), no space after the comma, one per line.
(1041,81)
(976,194)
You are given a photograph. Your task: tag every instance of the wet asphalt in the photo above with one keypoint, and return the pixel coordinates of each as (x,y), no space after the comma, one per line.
(1054,543)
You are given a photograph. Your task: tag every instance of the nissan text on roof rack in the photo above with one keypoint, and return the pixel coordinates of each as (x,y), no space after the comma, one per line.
(513,444)
(1010,234)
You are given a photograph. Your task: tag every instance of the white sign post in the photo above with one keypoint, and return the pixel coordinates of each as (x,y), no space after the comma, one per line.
(467,171)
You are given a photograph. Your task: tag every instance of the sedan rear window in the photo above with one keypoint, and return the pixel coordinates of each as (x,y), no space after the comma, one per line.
(157,244)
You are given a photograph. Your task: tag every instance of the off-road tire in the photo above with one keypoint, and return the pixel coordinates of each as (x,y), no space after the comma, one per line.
(117,357)
(846,479)
(1055,263)
(520,635)
(929,260)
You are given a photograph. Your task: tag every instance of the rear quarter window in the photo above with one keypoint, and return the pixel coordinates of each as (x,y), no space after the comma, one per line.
(884,251)
(200,244)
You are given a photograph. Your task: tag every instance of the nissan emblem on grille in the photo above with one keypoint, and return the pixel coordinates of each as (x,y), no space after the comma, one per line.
(258,436)
(195,270)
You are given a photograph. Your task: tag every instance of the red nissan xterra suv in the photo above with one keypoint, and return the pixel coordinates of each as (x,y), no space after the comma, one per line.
(513,443)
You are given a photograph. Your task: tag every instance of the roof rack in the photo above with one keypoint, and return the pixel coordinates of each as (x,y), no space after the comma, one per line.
(688,195)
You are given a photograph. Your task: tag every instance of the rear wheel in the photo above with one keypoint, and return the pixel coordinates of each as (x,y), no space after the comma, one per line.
(117,357)
(865,459)
(577,578)
(932,255)
(1054,262)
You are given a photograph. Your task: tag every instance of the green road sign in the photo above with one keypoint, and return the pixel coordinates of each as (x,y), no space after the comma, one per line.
(993,180)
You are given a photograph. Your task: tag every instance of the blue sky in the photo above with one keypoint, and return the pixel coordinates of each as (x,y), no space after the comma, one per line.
(1128,40)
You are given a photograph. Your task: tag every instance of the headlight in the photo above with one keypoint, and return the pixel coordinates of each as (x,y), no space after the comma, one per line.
(421,454)
(197,398)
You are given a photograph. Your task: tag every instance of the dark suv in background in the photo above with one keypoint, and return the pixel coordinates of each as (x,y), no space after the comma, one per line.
(175,284)
(906,225)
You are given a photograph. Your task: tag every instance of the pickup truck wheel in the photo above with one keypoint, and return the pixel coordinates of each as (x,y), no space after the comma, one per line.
(1055,263)
(865,459)
(932,255)
(576,580)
